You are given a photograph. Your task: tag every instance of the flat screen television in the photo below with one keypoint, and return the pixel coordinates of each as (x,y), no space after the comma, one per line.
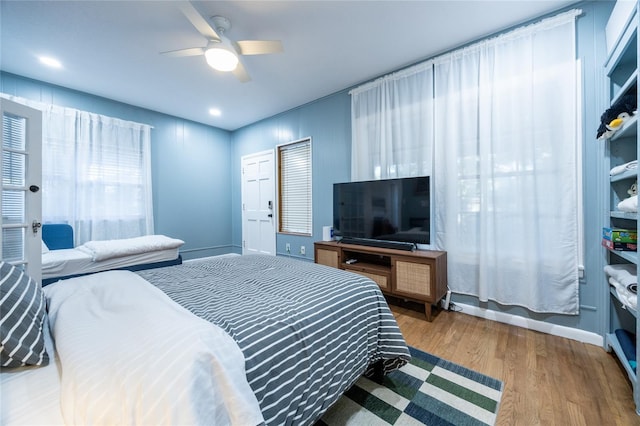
(380,211)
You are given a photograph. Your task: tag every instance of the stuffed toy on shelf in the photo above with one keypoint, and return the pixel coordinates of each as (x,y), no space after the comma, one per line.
(633,189)
(630,205)
(613,118)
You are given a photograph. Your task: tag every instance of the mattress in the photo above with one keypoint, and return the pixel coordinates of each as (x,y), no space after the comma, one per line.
(66,262)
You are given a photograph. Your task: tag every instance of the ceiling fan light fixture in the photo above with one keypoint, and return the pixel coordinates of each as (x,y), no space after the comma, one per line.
(221,59)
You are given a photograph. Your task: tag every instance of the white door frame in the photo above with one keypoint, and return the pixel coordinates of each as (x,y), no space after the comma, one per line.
(267,246)
(32,217)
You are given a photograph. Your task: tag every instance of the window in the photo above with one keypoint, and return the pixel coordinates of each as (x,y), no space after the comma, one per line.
(294,187)
(96,173)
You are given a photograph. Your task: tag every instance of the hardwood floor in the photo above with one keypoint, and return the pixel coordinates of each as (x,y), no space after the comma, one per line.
(548,380)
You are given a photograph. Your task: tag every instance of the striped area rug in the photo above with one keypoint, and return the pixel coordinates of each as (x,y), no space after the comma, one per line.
(429,391)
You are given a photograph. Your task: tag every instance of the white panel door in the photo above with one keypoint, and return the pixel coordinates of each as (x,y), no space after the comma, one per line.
(21,200)
(258,204)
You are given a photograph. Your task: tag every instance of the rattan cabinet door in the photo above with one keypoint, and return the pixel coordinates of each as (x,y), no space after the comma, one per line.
(413,279)
(327,257)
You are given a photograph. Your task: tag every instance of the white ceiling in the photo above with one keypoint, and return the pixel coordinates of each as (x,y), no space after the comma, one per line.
(111,48)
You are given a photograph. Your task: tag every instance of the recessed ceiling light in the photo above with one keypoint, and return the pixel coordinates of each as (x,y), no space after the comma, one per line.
(215,112)
(50,62)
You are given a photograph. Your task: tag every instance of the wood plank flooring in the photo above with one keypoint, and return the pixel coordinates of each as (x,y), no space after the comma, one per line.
(548,380)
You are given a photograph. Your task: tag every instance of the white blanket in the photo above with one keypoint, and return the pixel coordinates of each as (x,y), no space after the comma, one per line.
(108,249)
(625,274)
(130,355)
(629,205)
(624,167)
(625,296)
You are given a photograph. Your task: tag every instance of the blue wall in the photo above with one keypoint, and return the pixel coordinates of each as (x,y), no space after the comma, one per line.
(189,166)
(328,122)
(197,181)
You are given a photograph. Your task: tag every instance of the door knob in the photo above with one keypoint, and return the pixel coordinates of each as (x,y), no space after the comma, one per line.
(35,225)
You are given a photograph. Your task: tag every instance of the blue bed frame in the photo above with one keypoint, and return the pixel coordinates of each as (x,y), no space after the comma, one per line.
(59,236)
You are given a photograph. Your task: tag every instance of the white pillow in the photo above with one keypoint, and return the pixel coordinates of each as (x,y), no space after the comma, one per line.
(45,249)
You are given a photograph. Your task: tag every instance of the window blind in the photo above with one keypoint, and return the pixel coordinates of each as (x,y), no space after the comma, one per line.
(13,182)
(294,180)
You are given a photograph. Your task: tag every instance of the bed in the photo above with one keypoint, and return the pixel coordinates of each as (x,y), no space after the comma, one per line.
(60,259)
(304,333)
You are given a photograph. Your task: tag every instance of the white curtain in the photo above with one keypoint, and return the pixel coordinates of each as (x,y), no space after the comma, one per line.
(392,124)
(506,200)
(505,165)
(96,173)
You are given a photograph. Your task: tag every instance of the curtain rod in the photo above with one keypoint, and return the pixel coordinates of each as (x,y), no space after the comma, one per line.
(39,105)
(551,21)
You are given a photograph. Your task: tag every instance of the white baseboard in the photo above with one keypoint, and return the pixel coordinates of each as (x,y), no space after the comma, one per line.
(541,326)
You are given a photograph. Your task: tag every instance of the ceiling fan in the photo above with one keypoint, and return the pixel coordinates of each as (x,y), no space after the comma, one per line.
(220,52)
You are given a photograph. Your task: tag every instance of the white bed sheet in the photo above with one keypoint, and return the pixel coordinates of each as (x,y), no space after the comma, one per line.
(65,262)
(31,395)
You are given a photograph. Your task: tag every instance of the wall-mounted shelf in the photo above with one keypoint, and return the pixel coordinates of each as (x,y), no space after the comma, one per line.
(623,215)
(627,174)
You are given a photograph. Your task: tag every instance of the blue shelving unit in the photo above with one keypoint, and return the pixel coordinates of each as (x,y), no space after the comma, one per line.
(621,71)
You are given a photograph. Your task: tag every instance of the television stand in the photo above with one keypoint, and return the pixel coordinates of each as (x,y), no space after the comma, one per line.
(419,276)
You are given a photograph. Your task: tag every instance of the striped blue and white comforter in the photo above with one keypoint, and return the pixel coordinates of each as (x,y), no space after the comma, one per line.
(307,331)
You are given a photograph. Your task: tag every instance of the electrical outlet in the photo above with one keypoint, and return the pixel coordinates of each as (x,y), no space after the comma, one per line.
(288,248)
(302,250)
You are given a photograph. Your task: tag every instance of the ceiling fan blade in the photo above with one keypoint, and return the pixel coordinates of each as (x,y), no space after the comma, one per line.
(259,47)
(198,21)
(241,73)
(192,51)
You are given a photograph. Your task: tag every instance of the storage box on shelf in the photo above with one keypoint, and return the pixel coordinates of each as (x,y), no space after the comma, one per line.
(614,245)
(620,239)
(419,276)
(620,235)
(621,221)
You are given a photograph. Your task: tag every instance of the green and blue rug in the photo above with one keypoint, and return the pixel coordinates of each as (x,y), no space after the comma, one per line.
(428,391)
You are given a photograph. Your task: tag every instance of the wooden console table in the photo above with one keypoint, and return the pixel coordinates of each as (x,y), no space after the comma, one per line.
(419,275)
